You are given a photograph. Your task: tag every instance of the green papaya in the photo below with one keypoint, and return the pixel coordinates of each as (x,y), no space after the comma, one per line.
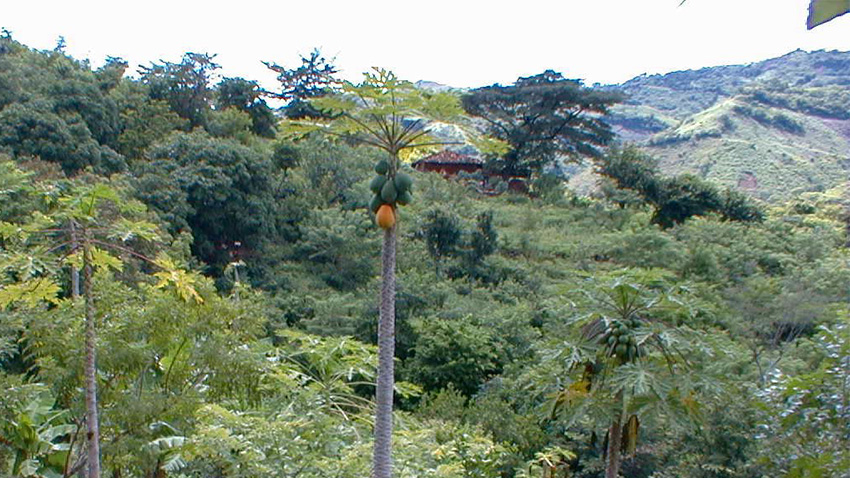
(403,182)
(377,183)
(624,339)
(382,167)
(612,340)
(622,349)
(388,192)
(375,203)
(405,198)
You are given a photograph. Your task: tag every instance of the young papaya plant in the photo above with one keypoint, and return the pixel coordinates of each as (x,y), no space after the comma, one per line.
(87,226)
(632,360)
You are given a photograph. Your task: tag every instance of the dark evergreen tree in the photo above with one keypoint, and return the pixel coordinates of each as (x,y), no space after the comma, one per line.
(443,236)
(185,85)
(543,118)
(246,96)
(314,78)
(675,199)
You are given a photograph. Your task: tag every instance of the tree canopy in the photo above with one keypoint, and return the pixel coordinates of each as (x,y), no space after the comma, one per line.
(543,118)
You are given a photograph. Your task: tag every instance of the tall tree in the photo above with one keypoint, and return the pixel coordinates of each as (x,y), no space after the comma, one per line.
(186,86)
(246,96)
(391,115)
(219,188)
(314,78)
(543,118)
(103,219)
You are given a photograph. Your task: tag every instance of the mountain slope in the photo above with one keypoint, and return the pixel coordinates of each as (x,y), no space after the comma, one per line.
(774,128)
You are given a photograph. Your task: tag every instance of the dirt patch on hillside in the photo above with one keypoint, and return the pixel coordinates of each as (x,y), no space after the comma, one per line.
(841,126)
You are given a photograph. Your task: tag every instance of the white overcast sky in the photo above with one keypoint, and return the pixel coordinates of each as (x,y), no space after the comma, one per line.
(463,43)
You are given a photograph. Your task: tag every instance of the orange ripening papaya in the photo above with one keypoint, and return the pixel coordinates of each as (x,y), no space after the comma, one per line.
(386,216)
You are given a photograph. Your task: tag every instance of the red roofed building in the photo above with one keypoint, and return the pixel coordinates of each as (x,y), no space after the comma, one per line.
(449,163)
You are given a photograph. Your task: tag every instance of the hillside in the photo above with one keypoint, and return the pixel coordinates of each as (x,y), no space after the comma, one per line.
(773,128)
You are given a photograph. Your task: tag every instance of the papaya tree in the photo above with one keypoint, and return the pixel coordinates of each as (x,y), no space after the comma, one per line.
(633,361)
(394,116)
(103,224)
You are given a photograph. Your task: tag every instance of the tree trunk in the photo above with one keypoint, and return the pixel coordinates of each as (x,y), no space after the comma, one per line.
(92,426)
(615,439)
(75,274)
(382,457)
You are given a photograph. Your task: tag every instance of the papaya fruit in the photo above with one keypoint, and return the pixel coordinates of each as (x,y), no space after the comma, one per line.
(622,349)
(624,339)
(385,216)
(612,340)
(377,183)
(404,198)
(375,203)
(382,166)
(402,182)
(388,192)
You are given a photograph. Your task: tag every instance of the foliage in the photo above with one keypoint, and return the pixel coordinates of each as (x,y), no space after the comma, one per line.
(543,118)
(738,313)
(217,188)
(313,79)
(821,11)
(674,199)
(809,413)
(184,85)
(246,96)
(34,432)
(442,236)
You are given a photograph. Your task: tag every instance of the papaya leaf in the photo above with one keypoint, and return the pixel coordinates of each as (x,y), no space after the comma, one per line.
(126,230)
(822,11)
(183,282)
(31,293)
(104,260)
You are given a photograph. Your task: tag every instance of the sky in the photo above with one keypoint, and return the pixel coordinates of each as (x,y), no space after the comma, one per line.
(462,43)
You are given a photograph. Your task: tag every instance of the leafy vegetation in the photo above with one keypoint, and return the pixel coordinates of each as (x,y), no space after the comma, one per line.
(230,270)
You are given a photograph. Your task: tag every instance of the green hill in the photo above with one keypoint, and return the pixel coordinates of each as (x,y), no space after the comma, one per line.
(773,128)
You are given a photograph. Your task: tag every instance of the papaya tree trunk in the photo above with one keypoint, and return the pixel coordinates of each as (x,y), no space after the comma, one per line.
(615,441)
(382,456)
(75,274)
(92,425)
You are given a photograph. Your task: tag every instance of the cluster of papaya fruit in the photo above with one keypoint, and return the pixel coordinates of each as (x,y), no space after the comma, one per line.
(390,191)
(620,339)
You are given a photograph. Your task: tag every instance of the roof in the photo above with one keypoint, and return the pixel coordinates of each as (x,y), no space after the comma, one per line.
(450,157)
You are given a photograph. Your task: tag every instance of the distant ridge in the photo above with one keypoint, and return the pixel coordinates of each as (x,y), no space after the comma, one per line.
(773,128)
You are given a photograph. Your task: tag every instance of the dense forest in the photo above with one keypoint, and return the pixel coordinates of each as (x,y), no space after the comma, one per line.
(223,259)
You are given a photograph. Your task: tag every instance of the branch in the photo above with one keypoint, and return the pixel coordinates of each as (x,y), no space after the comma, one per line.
(128,251)
(363,125)
(355,138)
(436,143)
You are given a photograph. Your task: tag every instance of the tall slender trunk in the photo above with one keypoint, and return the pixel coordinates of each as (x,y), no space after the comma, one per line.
(615,438)
(92,425)
(75,274)
(615,441)
(382,457)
